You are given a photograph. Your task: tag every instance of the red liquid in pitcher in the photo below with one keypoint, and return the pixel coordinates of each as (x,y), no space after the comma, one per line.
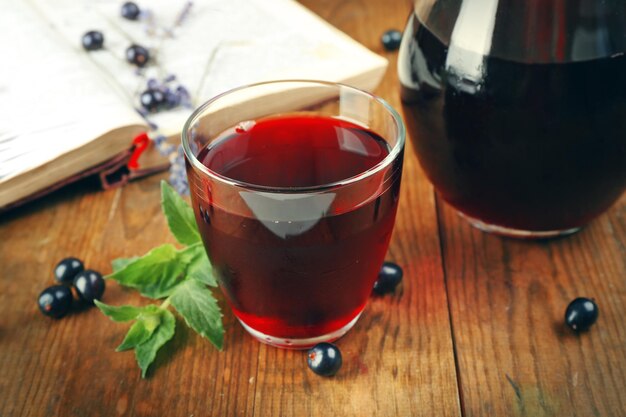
(307,276)
(534,147)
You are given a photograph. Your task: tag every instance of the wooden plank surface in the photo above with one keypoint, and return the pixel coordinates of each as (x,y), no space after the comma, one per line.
(398,360)
(475,330)
(508,299)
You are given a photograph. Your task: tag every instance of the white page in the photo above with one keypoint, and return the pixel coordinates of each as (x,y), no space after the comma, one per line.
(55,97)
(51,99)
(221,44)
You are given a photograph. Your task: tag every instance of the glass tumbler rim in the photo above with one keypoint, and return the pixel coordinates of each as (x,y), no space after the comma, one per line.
(385,162)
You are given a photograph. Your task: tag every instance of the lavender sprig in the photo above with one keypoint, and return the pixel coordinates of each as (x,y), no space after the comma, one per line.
(178,176)
(182,16)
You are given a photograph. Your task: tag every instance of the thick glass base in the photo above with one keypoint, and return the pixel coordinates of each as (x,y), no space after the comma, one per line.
(517,233)
(286,343)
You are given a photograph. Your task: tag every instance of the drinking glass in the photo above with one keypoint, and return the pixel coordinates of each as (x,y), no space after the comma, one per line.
(296,260)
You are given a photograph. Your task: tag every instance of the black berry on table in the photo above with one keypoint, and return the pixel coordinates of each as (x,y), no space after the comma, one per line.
(89,285)
(389,277)
(55,301)
(324,359)
(581,314)
(153,100)
(391,39)
(138,55)
(93,40)
(130,11)
(67,269)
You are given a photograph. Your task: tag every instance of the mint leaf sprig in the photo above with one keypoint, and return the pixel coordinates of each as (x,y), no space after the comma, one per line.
(177,276)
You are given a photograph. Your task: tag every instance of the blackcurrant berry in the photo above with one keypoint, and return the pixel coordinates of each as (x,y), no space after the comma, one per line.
(153,100)
(581,314)
(324,359)
(138,55)
(130,11)
(391,39)
(389,277)
(93,40)
(55,301)
(67,269)
(89,285)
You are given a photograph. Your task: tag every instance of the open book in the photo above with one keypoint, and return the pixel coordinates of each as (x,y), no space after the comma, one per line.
(66,112)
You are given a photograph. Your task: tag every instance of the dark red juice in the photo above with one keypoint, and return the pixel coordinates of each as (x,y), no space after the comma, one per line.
(289,270)
(526,146)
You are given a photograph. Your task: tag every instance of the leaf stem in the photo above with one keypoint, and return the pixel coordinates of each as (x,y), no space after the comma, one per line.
(165,304)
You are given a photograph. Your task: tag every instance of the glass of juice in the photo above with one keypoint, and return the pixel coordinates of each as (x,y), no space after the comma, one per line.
(295,187)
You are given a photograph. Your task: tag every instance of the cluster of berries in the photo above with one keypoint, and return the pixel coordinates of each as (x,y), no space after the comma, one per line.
(158,95)
(164,95)
(56,301)
(135,54)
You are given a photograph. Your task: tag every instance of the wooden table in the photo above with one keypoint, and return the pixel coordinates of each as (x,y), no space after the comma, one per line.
(475,330)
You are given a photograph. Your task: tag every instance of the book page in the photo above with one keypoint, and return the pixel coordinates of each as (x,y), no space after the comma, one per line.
(63,107)
(51,99)
(218,46)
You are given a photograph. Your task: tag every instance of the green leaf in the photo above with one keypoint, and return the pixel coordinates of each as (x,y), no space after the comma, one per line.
(155,274)
(181,275)
(121,263)
(198,266)
(195,302)
(179,215)
(119,313)
(137,334)
(142,329)
(146,352)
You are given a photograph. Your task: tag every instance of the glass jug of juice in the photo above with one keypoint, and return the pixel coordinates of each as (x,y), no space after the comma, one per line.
(517,108)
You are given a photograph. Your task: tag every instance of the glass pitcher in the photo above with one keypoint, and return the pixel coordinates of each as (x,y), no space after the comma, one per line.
(517,108)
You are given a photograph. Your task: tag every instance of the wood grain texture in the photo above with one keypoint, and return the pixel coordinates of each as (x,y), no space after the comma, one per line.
(398,360)
(475,311)
(508,299)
